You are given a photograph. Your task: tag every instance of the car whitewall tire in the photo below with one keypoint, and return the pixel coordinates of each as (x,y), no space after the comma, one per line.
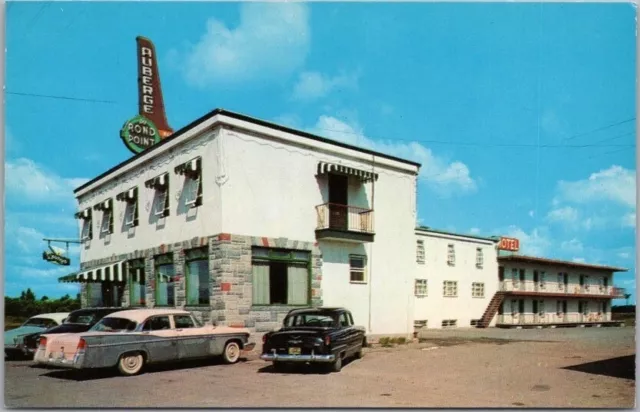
(231,352)
(130,364)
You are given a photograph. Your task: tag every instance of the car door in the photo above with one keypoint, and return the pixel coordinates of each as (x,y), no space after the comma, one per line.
(160,339)
(346,333)
(192,340)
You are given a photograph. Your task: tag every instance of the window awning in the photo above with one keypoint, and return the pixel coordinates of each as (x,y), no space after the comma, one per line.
(191,167)
(158,181)
(113,272)
(365,176)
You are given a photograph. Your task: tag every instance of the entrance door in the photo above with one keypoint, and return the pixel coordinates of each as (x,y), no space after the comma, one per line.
(521,310)
(564,310)
(112,294)
(536,280)
(338,201)
(566,282)
(535,310)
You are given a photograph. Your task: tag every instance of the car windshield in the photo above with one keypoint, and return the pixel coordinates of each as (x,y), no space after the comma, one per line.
(82,318)
(40,322)
(114,325)
(310,319)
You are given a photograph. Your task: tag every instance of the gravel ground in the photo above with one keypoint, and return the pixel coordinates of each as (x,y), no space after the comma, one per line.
(589,368)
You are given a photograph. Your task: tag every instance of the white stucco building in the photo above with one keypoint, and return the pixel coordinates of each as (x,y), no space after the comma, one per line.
(456,277)
(239,220)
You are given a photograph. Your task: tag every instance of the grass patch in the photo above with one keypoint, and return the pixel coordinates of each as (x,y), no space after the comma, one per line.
(453,341)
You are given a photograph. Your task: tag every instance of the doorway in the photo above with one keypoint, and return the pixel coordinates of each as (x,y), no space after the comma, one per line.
(338,201)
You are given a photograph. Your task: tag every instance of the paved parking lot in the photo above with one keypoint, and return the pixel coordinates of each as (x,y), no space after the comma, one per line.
(457,368)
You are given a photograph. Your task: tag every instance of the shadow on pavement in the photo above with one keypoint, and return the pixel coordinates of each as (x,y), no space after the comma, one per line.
(301,369)
(94,374)
(621,367)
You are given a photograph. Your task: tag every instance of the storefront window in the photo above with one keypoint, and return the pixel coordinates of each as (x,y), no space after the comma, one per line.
(197,276)
(165,281)
(137,284)
(94,295)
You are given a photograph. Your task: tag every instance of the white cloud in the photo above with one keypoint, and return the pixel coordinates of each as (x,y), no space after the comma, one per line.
(531,213)
(573,246)
(629,220)
(313,85)
(26,180)
(289,120)
(623,255)
(565,214)
(615,184)
(271,40)
(578,260)
(443,176)
(474,231)
(535,243)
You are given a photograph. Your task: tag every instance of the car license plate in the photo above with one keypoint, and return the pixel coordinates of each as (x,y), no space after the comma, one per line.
(294,351)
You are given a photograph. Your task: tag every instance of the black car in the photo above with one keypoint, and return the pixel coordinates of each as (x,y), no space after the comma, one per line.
(314,335)
(80,320)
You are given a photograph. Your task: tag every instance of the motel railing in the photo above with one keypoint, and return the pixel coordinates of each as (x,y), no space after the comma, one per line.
(343,217)
(556,287)
(552,318)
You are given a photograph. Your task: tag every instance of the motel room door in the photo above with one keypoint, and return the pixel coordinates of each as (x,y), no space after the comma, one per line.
(338,201)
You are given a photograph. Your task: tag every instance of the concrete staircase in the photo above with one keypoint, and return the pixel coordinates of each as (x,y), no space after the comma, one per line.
(491,310)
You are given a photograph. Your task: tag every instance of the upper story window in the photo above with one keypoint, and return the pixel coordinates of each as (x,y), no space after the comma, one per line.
(479,258)
(451,255)
(450,288)
(160,185)
(420,288)
(192,190)
(420,251)
(106,207)
(131,211)
(477,289)
(87,224)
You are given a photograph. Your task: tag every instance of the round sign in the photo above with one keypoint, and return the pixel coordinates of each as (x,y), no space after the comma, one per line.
(139,134)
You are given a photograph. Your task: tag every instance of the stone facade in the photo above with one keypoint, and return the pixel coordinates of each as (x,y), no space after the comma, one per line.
(230,281)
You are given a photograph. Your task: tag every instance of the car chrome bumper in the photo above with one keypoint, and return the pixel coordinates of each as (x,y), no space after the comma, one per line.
(249,346)
(275,357)
(75,363)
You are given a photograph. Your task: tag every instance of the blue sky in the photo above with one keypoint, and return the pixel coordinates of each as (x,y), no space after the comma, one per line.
(523,115)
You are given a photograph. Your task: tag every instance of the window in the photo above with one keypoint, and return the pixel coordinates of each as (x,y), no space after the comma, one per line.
(344,320)
(514,276)
(197,279)
(192,170)
(479,258)
(559,307)
(280,277)
(183,321)
(113,324)
(449,288)
(160,184)
(543,280)
(420,251)
(165,280)
(541,308)
(451,255)
(357,268)
(137,283)
(311,320)
(106,208)
(477,290)
(448,323)
(157,323)
(420,288)
(131,209)
(87,225)
(94,295)
(560,281)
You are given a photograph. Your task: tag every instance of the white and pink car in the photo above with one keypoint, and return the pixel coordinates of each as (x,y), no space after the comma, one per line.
(130,339)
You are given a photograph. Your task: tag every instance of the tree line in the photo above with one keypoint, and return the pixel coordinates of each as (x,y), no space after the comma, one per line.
(28,305)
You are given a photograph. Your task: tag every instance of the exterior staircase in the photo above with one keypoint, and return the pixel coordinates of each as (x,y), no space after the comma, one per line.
(491,310)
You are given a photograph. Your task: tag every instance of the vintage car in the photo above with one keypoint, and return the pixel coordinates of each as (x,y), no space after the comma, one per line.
(314,335)
(80,320)
(38,323)
(130,339)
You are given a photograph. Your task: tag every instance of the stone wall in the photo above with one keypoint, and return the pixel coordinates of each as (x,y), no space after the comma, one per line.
(230,283)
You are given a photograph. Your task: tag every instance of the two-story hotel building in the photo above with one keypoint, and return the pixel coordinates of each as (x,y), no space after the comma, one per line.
(240,220)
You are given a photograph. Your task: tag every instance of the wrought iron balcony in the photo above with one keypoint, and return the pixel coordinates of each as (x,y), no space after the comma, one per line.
(344,223)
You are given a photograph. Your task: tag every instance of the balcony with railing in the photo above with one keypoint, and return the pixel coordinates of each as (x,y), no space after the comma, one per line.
(552,318)
(529,287)
(344,223)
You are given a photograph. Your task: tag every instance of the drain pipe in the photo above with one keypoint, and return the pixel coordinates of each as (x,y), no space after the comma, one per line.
(370,258)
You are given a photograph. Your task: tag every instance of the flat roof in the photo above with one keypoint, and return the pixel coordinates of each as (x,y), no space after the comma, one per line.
(444,232)
(249,119)
(545,261)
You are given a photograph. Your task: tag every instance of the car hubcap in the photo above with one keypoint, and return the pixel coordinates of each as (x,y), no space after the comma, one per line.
(232,352)
(131,362)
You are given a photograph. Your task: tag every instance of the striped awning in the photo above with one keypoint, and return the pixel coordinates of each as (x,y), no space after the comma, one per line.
(84,214)
(160,181)
(103,206)
(113,272)
(191,167)
(128,195)
(324,168)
